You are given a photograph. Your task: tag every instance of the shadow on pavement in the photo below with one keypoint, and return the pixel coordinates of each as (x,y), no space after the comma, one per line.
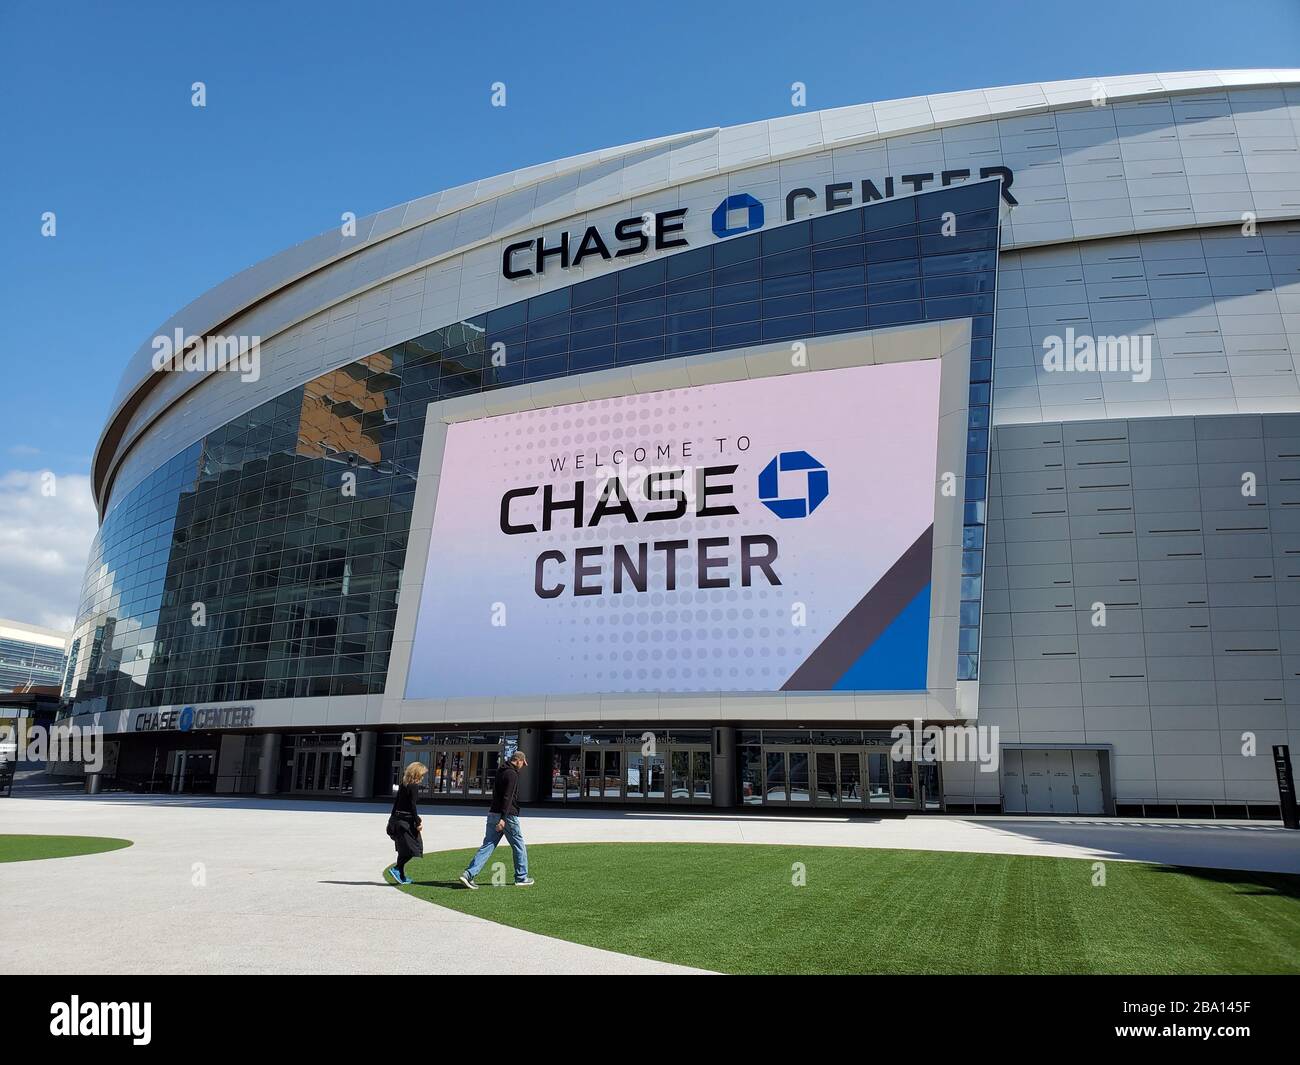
(1268,847)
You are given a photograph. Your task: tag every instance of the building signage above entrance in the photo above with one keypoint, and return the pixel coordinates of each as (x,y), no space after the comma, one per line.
(635,235)
(187,718)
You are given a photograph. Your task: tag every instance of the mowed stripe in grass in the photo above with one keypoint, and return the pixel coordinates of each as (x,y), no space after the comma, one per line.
(19,848)
(734,908)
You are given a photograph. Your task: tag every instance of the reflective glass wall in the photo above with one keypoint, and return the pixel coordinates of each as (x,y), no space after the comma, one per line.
(264,561)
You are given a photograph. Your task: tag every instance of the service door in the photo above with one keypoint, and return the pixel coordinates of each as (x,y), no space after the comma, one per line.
(1087,782)
(1038,782)
(1061,767)
(1013,782)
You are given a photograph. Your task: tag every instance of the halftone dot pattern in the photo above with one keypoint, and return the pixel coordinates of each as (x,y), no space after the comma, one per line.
(735,638)
(872,427)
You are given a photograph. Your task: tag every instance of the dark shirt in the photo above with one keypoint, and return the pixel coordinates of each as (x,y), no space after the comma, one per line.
(505,792)
(404,802)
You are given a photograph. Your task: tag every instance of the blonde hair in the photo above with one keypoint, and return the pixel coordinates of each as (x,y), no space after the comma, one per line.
(415,772)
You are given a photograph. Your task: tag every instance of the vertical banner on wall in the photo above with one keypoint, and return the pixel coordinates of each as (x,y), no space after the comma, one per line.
(759,535)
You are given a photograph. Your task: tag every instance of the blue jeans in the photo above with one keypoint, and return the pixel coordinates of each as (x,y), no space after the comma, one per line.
(493,836)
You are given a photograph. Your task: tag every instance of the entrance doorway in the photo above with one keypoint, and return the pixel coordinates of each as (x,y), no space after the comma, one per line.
(191,771)
(456,771)
(852,778)
(1053,781)
(321,769)
(671,773)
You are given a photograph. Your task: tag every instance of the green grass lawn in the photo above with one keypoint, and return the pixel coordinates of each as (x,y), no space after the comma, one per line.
(31,848)
(733,908)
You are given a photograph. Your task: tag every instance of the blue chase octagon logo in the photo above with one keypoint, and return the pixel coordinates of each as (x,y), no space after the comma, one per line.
(186,720)
(741,201)
(816,484)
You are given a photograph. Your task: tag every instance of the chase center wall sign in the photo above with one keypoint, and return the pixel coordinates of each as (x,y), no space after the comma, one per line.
(758,535)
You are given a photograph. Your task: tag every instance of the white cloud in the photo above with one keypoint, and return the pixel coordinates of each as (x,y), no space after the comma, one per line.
(44,544)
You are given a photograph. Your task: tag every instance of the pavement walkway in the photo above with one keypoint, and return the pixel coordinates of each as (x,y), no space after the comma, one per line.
(245,885)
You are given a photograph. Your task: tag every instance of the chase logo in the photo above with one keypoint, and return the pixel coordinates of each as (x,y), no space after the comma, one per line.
(816,485)
(186,720)
(741,201)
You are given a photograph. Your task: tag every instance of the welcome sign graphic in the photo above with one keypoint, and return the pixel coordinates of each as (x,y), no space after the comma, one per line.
(762,535)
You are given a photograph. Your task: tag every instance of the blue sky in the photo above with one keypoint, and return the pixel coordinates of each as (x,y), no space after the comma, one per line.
(319,108)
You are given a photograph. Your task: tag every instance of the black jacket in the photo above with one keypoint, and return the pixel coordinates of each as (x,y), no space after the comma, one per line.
(505,792)
(404,824)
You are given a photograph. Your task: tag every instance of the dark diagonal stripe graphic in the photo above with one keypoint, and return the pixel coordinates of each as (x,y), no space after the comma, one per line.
(866,621)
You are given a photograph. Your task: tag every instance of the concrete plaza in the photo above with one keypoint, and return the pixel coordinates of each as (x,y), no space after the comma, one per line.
(242,885)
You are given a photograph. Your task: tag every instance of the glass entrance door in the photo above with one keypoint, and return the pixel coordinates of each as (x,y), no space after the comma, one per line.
(593,774)
(655,781)
(850,767)
(483,765)
(877,778)
(826,778)
(848,777)
(671,774)
(602,774)
(191,771)
(612,774)
(903,783)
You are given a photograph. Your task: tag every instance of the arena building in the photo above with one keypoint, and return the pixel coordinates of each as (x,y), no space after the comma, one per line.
(697,467)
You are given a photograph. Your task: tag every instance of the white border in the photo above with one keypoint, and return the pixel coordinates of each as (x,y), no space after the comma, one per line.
(948,341)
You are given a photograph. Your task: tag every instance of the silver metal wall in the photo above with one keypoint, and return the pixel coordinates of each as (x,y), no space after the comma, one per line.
(1198,646)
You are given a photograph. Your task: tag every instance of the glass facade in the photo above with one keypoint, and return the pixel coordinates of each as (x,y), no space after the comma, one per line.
(24,663)
(264,560)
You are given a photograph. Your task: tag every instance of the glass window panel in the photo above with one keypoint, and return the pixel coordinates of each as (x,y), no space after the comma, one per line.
(591,358)
(590,319)
(728,275)
(839,278)
(785,286)
(786,237)
(688,301)
(851,318)
(787,262)
(741,293)
(556,325)
(735,250)
(651,327)
(834,258)
(585,293)
(835,225)
(549,303)
(688,343)
(801,303)
(886,214)
(686,263)
(735,336)
(885,250)
(647,275)
(799,325)
(733,313)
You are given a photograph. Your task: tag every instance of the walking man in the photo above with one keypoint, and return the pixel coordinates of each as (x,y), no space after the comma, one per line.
(503,819)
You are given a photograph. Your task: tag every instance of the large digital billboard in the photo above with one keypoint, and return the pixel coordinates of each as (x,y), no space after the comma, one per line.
(758,535)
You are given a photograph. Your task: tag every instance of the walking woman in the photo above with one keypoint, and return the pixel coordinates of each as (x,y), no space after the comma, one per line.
(404,822)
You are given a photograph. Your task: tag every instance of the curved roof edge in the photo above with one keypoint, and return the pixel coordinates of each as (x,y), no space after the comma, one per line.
(785,137)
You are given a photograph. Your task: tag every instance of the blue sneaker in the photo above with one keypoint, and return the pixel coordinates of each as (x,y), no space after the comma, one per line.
(398,877)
